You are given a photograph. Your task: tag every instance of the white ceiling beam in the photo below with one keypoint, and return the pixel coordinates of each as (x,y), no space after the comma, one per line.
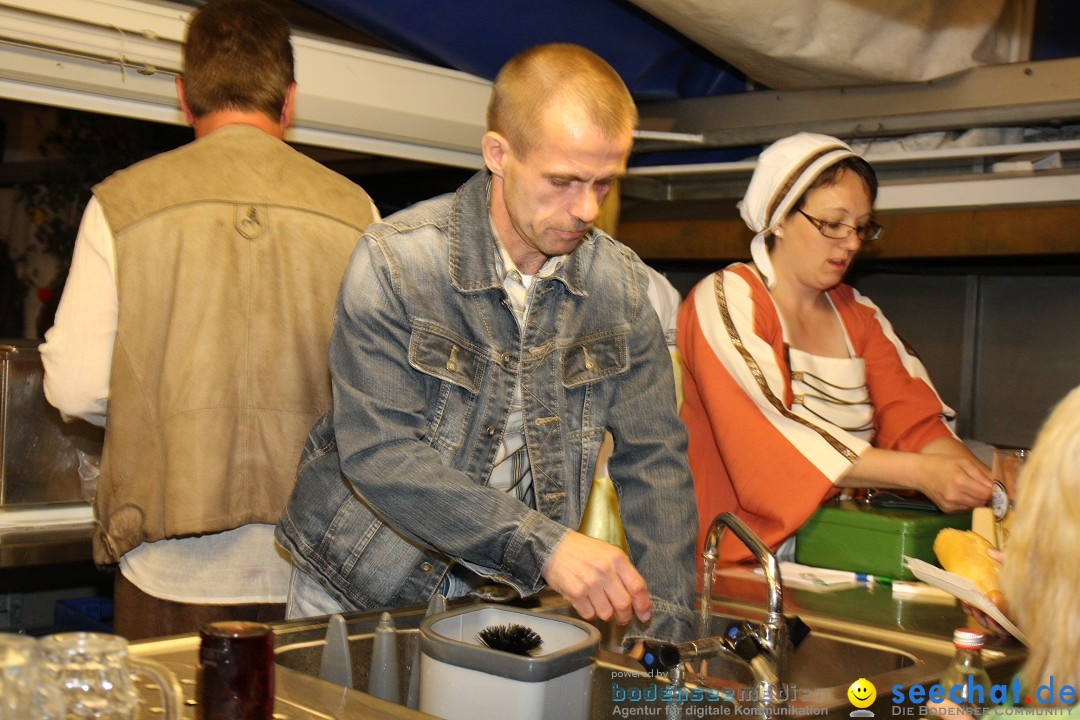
(988,96)
(943,178)
(916,193)
(981,191)
(121,57)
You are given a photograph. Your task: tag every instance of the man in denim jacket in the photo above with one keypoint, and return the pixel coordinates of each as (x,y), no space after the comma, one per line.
(484,341)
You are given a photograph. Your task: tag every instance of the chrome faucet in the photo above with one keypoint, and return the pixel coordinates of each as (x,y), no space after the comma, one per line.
(761,648)
(774,630)
(772,634)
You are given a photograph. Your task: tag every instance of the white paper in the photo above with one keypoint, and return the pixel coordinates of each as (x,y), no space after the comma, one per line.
(963,589)
(817,579)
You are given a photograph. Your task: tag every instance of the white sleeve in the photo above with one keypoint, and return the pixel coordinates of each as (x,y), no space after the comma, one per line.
(77,352)
(751,362)
(665,300)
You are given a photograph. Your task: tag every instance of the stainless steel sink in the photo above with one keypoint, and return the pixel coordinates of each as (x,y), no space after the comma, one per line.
(305,656)
(825,660)
(839,651)
(834,655)
(616,682)
(855,633)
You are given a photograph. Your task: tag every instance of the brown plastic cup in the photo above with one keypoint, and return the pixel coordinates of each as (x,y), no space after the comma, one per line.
(235,679)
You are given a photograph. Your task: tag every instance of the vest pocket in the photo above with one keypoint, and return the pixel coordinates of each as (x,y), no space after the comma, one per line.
(594,358)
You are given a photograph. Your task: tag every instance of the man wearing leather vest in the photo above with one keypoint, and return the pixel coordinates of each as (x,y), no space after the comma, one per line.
(194,327)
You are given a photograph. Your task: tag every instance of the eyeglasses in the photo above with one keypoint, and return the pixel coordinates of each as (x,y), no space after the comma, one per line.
(867,233)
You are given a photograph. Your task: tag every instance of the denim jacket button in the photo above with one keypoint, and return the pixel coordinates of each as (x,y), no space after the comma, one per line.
(426,567)
(491,430)
(507,358)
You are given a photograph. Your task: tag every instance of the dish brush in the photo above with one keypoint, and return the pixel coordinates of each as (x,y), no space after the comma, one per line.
(516,639)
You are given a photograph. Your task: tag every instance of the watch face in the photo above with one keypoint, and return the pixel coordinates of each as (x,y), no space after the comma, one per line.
(999,501)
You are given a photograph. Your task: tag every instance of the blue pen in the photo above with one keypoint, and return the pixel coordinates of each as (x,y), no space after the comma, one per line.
(872,579)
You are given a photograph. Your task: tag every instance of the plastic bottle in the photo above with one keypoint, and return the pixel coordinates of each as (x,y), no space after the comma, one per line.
(965,680)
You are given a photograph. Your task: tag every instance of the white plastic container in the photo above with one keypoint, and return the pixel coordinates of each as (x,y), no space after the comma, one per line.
(463,679)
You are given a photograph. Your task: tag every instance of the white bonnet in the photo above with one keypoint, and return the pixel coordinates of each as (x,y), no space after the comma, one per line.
(784,171)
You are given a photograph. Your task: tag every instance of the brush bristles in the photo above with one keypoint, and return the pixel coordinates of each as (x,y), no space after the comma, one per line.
(516,639)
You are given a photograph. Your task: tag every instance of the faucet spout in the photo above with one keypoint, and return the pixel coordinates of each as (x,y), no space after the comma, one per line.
(771,636)
(761,552)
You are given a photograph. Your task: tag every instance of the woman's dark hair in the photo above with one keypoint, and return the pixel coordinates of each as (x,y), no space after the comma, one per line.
(831,175)
(828,177)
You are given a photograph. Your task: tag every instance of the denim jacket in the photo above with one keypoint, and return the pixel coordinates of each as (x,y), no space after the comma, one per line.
(392,484)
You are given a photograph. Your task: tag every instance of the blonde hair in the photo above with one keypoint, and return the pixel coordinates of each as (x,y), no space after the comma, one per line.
(536,78)
(1041,578)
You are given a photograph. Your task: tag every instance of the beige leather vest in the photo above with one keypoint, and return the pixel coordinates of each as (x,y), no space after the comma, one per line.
(229,255)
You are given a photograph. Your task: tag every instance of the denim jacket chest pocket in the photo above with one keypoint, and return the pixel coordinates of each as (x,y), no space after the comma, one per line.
(590,367)
(458,367)
(595,357)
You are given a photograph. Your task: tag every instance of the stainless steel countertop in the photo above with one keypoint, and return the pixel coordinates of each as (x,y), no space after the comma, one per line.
(876,606)
(296,697)
(300,697)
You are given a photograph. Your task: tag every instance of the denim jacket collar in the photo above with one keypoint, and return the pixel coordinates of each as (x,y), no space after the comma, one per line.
(473,265)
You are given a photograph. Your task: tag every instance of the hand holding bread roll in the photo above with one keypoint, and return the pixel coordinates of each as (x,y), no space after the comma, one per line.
(965,553)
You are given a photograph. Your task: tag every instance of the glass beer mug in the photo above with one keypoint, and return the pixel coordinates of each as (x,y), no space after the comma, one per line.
(19,663)
(1008,462)
(93,676)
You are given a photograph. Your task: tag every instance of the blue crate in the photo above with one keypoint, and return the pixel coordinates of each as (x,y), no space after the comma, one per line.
(92,614)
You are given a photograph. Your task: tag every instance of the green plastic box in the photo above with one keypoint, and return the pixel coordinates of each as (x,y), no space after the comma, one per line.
(856,537)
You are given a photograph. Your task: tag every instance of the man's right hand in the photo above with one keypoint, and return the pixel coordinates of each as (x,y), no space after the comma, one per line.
(598,579)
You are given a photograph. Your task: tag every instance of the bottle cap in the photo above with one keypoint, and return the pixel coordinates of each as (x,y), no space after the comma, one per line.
(968,639)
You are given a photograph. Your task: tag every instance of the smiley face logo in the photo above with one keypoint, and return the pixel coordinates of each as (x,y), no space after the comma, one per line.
(862,693)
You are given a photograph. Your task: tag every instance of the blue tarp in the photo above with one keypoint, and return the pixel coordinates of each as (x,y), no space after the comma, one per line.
(479,36)
(655,61)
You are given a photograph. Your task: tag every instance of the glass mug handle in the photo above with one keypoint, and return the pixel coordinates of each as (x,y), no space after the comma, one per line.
(1005,472)
(172,694)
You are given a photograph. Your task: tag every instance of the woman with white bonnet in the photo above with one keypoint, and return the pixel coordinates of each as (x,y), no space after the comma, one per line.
(795,384)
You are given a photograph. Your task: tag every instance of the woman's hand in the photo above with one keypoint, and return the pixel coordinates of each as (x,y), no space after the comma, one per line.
(985,620)
(945,471)
(982,618)
(954,483)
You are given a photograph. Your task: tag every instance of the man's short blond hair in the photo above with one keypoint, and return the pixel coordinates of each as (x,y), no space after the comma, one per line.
(535,78)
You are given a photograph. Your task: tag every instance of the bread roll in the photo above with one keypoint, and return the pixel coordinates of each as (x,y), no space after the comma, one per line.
(964,552)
